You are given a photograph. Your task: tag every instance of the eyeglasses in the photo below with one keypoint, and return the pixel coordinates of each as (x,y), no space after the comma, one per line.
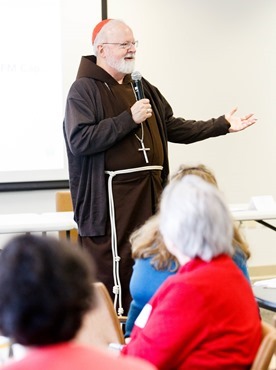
(123,45)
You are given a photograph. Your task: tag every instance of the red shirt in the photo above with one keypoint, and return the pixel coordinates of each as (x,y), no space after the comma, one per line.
(204,317)
(69,356)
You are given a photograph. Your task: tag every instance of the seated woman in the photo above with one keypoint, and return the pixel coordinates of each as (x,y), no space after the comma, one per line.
(45,294)
(154,263)
(241,248)
(205,316)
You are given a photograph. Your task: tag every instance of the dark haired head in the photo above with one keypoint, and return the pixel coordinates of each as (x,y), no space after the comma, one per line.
(45,290)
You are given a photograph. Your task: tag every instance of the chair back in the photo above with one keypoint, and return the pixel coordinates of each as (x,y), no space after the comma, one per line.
(102,325)
(267,348)
(64,204)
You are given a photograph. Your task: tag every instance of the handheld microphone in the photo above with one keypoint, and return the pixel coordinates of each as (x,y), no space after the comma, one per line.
(137,85)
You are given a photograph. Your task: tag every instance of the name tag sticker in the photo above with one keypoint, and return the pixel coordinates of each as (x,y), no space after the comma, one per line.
(142,319)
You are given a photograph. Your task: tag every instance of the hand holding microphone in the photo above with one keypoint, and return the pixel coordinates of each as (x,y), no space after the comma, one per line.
(141,110)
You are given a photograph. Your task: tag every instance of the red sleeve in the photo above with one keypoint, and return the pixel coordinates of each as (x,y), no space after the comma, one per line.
(173,326)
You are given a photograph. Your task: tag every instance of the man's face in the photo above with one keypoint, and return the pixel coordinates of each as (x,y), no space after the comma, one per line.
(120,49)
(121,60)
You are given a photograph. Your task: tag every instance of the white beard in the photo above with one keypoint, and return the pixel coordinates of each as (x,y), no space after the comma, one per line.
(122,65)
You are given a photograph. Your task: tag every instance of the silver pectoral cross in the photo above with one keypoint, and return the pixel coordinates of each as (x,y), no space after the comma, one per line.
(144,151)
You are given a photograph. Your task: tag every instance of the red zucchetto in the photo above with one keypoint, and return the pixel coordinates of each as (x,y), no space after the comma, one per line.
(97,29)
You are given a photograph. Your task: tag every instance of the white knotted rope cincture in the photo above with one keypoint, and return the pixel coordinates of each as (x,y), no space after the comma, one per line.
(117,289)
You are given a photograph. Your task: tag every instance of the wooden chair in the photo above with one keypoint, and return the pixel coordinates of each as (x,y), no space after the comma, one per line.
(274,320)
(267,348)
(102,325)
(64,204)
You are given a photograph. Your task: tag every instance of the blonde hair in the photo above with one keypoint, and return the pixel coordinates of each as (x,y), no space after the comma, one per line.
(147,241)
(200,170)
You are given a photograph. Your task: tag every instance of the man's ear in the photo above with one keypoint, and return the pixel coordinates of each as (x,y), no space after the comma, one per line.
(101,51)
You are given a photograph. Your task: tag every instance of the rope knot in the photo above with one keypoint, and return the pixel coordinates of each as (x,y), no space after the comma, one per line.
(120,311)
(116,289)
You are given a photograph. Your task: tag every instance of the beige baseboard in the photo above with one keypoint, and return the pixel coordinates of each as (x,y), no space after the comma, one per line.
(262,272)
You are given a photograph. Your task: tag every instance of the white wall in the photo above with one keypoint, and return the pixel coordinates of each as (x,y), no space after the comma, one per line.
(206,57)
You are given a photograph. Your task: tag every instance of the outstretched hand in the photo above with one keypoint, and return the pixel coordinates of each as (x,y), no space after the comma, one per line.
(239,123)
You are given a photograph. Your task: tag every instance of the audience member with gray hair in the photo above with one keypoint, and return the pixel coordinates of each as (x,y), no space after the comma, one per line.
(153,261)
(200,225)
(193,321)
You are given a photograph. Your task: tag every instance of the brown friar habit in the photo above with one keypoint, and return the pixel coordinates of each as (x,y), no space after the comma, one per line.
(100,135)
